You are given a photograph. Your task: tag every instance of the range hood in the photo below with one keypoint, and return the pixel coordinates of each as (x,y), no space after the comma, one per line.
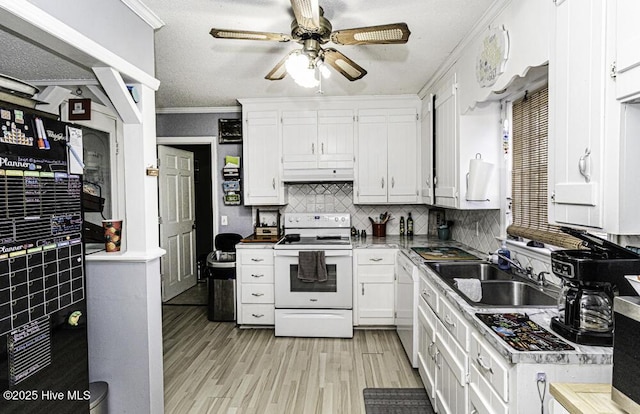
(317,175)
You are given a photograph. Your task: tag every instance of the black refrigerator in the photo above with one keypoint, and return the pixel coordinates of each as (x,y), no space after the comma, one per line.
(43,331)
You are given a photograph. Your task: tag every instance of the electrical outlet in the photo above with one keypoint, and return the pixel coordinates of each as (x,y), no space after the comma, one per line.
(541,377)
(224,220)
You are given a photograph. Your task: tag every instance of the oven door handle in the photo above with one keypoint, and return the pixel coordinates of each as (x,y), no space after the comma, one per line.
(327,253)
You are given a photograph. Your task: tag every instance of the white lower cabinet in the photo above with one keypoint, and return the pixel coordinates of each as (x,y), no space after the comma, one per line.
(488,379)
(255,289)
(374,299)
(452,366)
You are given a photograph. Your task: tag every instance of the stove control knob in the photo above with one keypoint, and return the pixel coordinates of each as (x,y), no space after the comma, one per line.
(336,218)
(342,219)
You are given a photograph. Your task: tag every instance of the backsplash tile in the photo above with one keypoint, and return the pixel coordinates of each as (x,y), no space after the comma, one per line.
(338,198)
(476,228)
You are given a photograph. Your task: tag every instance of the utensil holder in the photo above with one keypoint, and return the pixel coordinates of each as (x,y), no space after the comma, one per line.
(379,229)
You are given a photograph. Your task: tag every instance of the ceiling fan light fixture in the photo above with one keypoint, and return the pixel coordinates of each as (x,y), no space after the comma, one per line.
(302,69)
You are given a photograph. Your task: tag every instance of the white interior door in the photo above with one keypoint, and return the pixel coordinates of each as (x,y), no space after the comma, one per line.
(177,221)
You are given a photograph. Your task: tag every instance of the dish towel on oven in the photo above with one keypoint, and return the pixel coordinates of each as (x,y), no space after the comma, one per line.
(470,287)
(312,266)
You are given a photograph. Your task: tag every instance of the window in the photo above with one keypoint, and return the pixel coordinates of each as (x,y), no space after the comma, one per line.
(529,172)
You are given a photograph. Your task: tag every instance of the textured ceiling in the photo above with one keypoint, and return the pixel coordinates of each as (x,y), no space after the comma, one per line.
(196,70)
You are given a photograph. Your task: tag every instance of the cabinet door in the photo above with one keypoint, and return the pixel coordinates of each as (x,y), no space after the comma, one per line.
(426,151)
(261,166)
(426,347)
(578,74)
(299,139)
(451,387)
(627,50)
(445,145)
(372,157)
(335,138)
(402,158)
(375,303)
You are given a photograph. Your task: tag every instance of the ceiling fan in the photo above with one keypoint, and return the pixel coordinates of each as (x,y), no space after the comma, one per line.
(311,29)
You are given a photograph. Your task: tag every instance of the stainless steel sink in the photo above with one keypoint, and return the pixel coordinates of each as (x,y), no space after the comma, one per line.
(499,288)
(514,293)
(469,270)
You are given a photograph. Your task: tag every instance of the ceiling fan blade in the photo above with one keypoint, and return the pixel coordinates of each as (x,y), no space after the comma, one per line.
(248,35)
(279,71)
(347,67)
(372,35)
(307,13)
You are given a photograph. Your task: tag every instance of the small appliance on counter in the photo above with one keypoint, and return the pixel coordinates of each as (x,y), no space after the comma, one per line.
(625,389)
(268,224)
(591,278)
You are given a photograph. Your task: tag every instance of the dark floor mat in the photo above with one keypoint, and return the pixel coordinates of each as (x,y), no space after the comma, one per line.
(396,401)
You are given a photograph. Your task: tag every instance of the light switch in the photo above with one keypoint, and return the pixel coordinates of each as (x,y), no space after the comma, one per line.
(224,221)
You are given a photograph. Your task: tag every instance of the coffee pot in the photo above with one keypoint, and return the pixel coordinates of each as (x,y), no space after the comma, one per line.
(591,278)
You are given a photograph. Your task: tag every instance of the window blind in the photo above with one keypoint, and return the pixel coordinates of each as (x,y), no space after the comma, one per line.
(529,175)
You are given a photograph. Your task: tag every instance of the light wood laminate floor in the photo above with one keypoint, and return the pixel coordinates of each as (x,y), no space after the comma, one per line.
(215,367)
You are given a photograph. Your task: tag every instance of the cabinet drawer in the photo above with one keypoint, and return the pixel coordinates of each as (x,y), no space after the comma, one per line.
(376,273)
(258,314)
(482,397)
(490,366)
(377,256)
(257,257)
(428,293)
(454,322)
(257,274)
(257,293)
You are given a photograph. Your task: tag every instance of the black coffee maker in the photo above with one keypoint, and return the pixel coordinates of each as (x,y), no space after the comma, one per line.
(591,278)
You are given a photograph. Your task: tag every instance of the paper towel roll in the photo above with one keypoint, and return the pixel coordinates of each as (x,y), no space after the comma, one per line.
(478,179)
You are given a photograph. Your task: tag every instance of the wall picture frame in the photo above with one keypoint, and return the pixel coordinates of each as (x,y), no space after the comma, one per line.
(229,131)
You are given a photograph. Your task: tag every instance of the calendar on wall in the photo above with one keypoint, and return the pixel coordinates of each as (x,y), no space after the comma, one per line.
(41,253)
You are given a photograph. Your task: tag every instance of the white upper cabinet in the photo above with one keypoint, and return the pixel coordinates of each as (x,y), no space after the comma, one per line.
(426,151)
(261,164)
(627,63)
(578,81)
(299,140)
(336,130)
(387,156)
(317,144)
(457,140)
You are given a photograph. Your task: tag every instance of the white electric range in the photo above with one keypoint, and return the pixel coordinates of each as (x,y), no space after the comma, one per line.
(319,308)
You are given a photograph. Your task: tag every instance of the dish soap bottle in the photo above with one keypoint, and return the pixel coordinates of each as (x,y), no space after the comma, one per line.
(409,226)
(402,225)
(503,251)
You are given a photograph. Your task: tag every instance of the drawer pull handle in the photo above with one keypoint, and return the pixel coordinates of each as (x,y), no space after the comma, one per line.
(448,321)
(257,294)
(260,275)
(257,315)
(313,300)
(253,259)
(429,348)
(375,259)
(482,365)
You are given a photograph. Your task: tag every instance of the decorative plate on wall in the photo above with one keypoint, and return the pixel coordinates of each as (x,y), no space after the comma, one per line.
(492,56)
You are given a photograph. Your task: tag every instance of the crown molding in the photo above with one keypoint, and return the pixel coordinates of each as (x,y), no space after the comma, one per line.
(144,13)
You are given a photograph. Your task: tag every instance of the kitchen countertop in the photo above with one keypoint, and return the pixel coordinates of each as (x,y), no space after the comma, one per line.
(585,398)
(582,354)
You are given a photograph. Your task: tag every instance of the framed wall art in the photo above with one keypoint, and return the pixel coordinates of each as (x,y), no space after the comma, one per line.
(229,131)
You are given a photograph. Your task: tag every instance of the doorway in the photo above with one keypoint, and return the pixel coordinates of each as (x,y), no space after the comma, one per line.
(204,152)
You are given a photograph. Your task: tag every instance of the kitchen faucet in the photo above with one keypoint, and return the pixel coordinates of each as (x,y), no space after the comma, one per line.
(528,271)
(540,278)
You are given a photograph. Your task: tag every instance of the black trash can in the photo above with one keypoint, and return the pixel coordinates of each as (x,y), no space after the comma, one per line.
(221,278)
